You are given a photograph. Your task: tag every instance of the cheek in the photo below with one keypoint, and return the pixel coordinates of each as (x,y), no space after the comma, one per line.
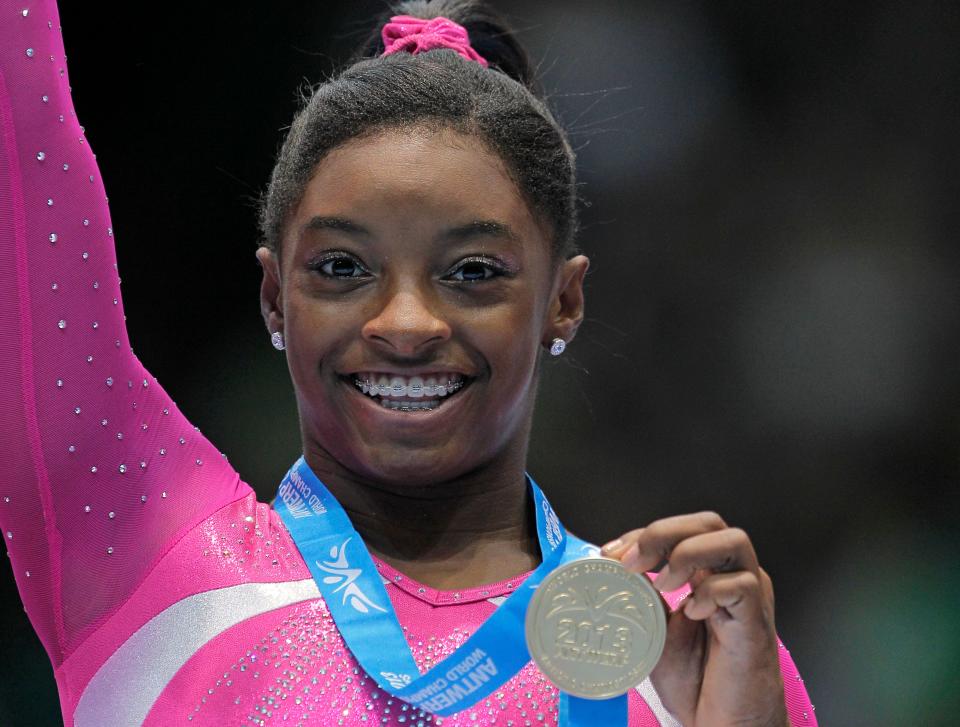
(310,338)
(510,339)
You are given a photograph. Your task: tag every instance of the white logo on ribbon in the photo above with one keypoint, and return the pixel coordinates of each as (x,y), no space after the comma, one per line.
(341,571)
(397,681)
(554,535)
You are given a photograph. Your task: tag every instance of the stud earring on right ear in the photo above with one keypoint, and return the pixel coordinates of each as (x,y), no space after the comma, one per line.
(276,338)
(557,346)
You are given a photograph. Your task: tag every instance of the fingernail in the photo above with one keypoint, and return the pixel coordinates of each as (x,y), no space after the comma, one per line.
(630,558)
(612,545)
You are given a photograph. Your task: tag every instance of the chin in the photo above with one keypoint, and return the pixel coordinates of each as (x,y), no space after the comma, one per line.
(413,467)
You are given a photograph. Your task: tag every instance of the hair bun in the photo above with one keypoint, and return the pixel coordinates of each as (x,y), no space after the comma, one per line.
(490,34)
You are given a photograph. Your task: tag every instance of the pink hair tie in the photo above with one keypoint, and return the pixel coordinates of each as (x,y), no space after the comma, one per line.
(415,35)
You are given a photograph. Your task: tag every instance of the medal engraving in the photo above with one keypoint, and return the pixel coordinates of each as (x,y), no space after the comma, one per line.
(595,629)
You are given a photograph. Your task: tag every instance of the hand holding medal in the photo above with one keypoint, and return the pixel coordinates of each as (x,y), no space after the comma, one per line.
(720,663)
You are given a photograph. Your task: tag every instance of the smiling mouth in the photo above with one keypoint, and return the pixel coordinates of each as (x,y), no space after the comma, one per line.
(410,393)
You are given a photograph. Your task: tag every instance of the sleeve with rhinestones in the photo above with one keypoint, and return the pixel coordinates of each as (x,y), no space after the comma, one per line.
(102,473)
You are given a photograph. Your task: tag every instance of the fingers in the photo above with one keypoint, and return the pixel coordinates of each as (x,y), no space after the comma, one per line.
(722,551)
(726,596)
(697,549)
(644,549)
(616,548)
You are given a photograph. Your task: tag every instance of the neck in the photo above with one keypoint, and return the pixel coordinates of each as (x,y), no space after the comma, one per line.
(476,529)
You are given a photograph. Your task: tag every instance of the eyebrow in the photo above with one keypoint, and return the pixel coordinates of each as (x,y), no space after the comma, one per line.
(460,233)
(339,224)
(480,228)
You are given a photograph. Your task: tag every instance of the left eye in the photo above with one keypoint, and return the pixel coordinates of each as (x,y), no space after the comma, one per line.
(471,271)
(341,267)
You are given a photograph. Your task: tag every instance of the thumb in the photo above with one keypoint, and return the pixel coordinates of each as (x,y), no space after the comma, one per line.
(679,673)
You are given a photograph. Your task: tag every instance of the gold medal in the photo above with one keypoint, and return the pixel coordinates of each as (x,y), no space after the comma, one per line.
(595,629)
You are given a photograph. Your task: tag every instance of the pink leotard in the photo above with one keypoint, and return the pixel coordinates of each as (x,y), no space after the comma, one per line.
(163,592)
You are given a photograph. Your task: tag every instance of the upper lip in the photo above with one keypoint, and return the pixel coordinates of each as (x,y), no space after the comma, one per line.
(408,373)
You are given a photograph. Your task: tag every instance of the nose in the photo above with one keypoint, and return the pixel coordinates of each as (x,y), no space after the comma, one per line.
(406,322)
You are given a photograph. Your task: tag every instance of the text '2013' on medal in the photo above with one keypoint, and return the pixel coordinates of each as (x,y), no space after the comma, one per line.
(595,629)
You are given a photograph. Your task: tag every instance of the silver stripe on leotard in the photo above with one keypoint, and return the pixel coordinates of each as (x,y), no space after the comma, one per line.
(650,696)
(123,690)
(125,687)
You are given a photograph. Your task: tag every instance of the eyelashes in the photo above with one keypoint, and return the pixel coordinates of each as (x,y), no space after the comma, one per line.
(476,269)
(341,265)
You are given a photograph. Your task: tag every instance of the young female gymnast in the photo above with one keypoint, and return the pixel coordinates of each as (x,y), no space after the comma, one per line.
(418,260)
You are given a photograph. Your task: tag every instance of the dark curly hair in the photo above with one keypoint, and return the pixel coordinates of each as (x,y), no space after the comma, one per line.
(500,105)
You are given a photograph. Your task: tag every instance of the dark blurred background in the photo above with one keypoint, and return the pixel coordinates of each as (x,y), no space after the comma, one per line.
(770,199)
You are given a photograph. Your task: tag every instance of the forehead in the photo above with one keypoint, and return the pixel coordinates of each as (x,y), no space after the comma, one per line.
(416,178)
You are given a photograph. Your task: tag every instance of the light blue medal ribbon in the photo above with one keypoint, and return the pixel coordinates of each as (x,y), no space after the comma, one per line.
(353,590)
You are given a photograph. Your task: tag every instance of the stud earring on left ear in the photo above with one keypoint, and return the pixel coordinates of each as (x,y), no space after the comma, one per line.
(276,338)
(557,346)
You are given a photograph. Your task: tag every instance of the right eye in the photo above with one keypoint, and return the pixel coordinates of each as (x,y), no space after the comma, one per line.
(340,266)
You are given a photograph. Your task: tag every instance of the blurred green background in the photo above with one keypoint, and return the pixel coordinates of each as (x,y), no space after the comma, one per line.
(770,200)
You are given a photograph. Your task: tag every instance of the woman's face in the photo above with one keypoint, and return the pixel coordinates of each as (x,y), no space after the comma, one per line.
(414,271)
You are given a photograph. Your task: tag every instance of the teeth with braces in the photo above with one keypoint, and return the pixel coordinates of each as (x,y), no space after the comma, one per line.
(413,388)
(410,405)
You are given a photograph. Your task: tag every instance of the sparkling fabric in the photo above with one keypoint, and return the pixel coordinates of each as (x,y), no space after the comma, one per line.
(127,531)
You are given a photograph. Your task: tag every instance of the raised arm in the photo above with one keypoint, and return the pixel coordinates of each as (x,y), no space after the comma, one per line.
(101,472)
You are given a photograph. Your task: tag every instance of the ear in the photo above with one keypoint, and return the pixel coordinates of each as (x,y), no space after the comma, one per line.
(566,308)
(271,295)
